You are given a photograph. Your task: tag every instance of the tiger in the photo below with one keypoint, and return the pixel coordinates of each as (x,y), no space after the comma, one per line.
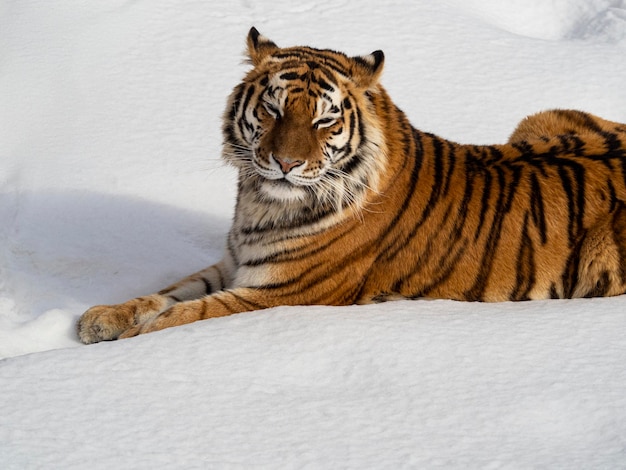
(341,201)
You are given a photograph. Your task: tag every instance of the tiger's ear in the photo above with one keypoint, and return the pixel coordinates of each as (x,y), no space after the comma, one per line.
(259,47)
(367,69)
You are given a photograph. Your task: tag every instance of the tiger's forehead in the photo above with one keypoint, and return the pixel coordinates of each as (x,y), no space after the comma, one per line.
(306,80)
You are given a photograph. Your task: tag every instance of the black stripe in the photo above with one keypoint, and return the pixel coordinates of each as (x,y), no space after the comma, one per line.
(575,191)
(619,235)
(537,207)
(343,265)
(446,268)
(433,198)
(463,210)
(524,148)
(317,274)
(298,253)
(243,122)
(570,272)
(612,196)
(495,154)
(291,76)
(439,164)
(506,192)
(452,253)
(485,195)
(347,149)
(205,310)
(325,83)
(247,303)
(614,146)
(416,161)
(314,58)
(451,165)
(231,249)
(615,149)
(579,118)
(553,293)
(248,97)
(294,282)
(221,302)
(525,266)
(352,296)
(427,251)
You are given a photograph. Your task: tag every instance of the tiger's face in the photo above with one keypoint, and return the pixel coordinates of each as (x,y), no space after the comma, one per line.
(298,133)
(300,127)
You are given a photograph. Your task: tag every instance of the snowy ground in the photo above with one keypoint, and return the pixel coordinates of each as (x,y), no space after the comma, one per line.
(111,187)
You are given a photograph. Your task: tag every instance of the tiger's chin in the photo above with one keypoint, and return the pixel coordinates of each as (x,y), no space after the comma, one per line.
(283,191)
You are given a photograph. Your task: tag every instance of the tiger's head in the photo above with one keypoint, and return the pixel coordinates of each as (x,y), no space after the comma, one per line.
(302,127)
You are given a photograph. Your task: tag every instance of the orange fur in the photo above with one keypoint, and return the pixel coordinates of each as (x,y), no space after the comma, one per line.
(341,201)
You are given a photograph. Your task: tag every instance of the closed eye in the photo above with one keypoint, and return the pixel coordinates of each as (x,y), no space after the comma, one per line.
(272,110)
(324,122)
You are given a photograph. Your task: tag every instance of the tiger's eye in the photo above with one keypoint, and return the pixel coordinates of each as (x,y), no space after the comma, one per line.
(272,110)
(323,123)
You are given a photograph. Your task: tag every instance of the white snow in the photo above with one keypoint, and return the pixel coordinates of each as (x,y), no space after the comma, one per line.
(111,187)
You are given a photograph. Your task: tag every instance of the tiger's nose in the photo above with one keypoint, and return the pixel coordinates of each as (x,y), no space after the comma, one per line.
(287,164)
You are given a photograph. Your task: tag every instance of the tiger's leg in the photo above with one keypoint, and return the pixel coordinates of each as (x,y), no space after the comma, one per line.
(107,322)
(598,267)
(219,304)
(247,299)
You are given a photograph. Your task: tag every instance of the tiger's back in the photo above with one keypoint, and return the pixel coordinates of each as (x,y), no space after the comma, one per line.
(341,201)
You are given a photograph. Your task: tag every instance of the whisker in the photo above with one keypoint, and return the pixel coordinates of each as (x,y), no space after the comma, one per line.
(339,195)
(239,147)
(348,176)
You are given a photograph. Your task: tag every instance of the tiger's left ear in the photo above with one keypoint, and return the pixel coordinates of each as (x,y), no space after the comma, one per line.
(259,47)
(367,69)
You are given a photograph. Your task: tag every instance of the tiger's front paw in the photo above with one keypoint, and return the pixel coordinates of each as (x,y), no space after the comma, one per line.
(107,322)
(104,323)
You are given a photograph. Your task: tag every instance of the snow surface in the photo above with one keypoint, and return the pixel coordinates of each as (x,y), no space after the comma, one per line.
(111,187)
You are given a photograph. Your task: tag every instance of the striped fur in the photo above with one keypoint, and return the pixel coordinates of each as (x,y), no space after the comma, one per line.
(342,201)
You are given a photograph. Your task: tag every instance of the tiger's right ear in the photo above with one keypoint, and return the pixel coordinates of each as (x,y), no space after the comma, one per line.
(259,47)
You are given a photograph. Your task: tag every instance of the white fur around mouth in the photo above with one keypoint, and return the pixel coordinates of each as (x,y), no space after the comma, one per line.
(268,173)
(282,190)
